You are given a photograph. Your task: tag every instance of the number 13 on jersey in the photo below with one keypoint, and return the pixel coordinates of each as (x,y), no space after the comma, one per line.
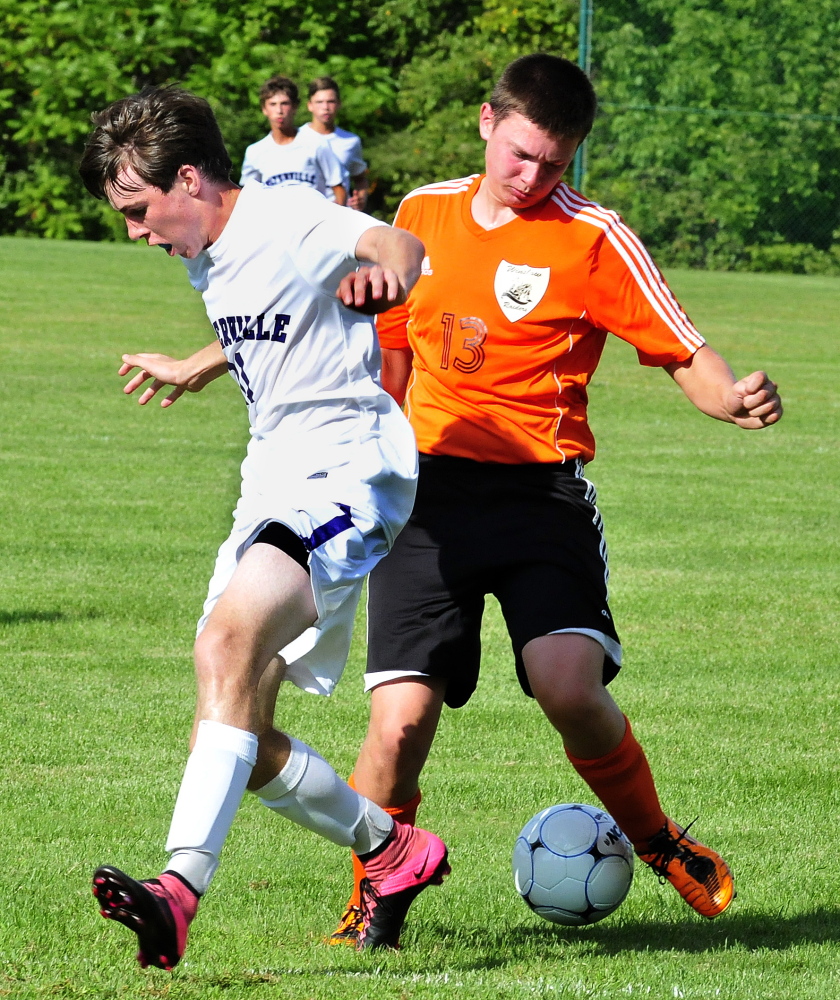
(469,354)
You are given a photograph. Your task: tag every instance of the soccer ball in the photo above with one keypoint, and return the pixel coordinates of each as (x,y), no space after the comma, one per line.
(572,864)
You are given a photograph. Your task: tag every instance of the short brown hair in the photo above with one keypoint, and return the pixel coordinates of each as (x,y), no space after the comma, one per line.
(549,91)
(279,85)
(155,132)
(324,83)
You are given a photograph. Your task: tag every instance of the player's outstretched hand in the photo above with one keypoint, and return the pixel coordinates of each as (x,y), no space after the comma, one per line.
(183,376)
(370,290)
(754,402)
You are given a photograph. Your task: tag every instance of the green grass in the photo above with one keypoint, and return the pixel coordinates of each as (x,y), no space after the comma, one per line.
(724,584)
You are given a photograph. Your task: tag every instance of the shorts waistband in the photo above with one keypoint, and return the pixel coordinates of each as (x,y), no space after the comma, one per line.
(525,470)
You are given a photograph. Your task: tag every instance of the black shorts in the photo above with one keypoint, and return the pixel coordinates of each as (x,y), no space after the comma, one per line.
(528,534)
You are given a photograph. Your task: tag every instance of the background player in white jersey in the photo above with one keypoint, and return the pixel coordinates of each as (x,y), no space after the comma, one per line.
(324,104)
(290,156)
(327,483)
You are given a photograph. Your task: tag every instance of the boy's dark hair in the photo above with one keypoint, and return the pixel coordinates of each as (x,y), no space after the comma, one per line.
(279,85)
(155,132)
(324,83)
(549,91)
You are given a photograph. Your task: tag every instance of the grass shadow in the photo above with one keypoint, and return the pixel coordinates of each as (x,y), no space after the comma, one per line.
(28,616)
(751,932)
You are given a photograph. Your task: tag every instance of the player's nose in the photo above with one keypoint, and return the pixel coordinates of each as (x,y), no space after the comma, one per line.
(135,231)
(530,174)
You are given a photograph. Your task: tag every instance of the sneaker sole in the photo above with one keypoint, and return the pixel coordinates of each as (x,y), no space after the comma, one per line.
(130,903)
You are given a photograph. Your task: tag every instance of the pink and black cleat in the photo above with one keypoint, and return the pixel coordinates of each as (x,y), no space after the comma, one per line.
(387,894)
(158,910)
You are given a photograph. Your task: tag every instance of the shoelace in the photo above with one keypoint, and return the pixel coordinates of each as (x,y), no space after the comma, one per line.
(667,848)
(352,920)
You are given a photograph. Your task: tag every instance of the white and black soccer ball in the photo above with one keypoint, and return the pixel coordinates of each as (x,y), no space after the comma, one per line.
(572,864)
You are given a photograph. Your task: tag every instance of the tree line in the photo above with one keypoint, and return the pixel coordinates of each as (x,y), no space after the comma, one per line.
(717,138)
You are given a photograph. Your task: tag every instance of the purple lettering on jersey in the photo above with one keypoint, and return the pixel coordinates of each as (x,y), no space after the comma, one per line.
(281,321)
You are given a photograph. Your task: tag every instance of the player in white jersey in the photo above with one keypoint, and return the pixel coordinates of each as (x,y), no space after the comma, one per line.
(289,156)
(324,104)
(327,483)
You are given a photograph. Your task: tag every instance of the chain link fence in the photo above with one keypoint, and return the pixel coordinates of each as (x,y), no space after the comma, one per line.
(718,135)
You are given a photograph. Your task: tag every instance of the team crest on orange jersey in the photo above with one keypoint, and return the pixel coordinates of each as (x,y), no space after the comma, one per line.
(519,287)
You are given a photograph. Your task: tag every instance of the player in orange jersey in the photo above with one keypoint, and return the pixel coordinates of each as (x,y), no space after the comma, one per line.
(522,280)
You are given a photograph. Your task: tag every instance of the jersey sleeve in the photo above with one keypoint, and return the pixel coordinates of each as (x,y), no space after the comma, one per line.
(250,172)
(355,163)
(628,296)
(326,249)
(329,165)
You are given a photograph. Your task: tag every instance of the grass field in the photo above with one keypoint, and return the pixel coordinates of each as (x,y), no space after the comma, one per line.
(723,549)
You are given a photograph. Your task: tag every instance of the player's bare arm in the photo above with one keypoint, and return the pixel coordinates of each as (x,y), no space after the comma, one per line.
(359,185)
(395,258)
(707,380)
(396,371)
(190,374)
(340,193)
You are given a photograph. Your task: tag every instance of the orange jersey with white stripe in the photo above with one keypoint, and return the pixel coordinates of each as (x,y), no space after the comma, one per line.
(508,325)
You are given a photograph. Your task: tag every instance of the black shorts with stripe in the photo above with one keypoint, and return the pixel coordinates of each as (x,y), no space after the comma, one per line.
(528,534)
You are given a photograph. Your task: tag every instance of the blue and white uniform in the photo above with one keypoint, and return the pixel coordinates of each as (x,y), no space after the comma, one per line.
(347,147)
(304,161)
(331,455)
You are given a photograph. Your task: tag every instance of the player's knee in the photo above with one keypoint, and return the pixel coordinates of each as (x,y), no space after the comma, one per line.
(216,652)
(394,741)
(572,704)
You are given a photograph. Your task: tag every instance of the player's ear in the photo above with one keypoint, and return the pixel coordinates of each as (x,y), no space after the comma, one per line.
(190,177)
(486,120)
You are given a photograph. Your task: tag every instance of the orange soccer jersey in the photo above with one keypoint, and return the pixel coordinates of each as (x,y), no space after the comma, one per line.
(507,325)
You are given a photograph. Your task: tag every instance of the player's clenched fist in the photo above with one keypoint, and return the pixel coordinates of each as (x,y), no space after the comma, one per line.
(754,402)
(371,290)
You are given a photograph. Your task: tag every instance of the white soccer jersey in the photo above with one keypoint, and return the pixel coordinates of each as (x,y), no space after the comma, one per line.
(347,147)
(331,454)
(300,161)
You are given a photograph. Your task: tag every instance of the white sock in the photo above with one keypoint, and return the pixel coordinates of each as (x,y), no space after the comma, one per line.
(214,782)
(309,792)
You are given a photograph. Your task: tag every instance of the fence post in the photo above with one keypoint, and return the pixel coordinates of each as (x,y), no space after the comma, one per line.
(585,62)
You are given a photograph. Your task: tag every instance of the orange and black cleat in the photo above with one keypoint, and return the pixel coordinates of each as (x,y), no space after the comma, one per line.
(699,874)
(349,929)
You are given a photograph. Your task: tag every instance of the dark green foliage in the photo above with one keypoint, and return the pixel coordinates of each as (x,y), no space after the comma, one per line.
(412,72)
(732,183)
(740,167)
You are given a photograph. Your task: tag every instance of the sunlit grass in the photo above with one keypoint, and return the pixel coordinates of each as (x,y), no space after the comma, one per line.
(723,548)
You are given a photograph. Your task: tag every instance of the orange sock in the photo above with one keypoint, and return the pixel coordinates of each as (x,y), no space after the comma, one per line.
(623,782)
(406,813)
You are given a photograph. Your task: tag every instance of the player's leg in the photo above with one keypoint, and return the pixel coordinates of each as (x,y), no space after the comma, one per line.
(423,649)
(267,603)
(404,714)
(565,675)
(295,782)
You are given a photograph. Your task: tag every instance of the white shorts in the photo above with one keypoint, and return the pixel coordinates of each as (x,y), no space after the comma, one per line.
(346,527)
